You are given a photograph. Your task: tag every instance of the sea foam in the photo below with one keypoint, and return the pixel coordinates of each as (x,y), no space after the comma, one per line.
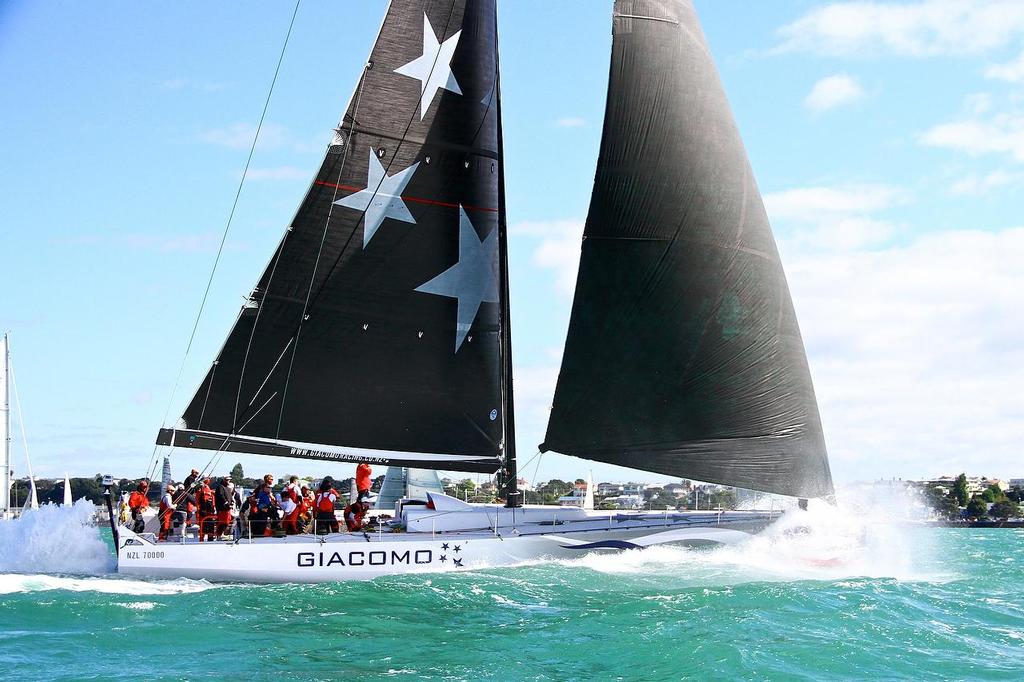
(54,539)
(868,533)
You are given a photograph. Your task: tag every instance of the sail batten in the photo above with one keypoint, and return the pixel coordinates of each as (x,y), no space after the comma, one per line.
(345,342)
(683,354)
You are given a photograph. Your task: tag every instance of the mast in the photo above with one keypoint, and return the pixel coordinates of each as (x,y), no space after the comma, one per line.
(512,495)
(5,431)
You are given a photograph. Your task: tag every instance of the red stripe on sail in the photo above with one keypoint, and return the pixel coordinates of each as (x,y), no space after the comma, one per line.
(418,200)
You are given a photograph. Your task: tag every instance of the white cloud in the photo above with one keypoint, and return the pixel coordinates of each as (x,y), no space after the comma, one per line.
(240,136)
(916,351)
(978,185)
(559,248)
(1002,133)
(916,29)
(835,218)
(813,203)
(570,122)
(1012,71)
(833,91)
(279,173)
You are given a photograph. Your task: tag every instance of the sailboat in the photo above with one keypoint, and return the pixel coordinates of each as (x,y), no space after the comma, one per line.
(5,430)
(379,331)
(406,484)
(6,380)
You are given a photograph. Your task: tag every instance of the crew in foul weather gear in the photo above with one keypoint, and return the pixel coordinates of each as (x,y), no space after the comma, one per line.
(325,500)
(307,502)
(137,502)
(223,499)
(207,511)
(166,512)
(354,515)
(364,479)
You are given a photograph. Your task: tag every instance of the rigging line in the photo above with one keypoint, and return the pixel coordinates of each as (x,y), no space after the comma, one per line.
(537,469)
(311,299)
(234,206)
(320,249)
(252,333)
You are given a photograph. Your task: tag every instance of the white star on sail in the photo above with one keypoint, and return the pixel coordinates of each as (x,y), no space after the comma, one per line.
(473,280)
(382,197)
(433,69)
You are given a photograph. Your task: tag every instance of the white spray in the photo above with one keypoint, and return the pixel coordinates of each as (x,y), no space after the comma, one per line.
(54,539)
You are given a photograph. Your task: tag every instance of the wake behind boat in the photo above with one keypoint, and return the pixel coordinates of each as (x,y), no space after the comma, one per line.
(379,332)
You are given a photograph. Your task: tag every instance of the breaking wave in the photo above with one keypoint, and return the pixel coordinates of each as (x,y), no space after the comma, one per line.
(12,583)
(868,534)
(54,539)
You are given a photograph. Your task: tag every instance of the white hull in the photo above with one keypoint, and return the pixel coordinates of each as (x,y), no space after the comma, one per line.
(364,556)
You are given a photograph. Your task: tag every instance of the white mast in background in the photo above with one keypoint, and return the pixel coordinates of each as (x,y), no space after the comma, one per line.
(5,434)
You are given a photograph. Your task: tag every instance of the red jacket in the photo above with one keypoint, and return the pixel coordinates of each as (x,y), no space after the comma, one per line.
(325,501)
(137,501)
(363,477)
(354,516)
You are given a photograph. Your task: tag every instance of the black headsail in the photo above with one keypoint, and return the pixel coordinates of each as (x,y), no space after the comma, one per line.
(376,331)
(683,354)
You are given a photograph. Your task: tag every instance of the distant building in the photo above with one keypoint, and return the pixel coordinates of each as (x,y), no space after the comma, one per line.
(677,489)
(609,488)
(523,484)
(626,501)
(1017,483)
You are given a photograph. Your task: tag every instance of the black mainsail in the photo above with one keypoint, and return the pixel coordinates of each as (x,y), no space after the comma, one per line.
(683,354)
(378,331)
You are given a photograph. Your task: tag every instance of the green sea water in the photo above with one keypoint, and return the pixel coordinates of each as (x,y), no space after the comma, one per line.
(852,599)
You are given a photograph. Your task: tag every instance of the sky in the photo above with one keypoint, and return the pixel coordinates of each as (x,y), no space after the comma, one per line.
(887,139)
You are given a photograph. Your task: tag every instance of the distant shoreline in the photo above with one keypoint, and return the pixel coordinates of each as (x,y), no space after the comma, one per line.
(1019,523)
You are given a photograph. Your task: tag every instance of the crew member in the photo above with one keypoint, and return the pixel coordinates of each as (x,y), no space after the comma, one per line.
(166,512)
(290,509)
(354,515)
(364,479)
(223,500)
(186,505)
(207,511)
(137,503)
(190,481)
(325,500)
(307,502)
(292,489)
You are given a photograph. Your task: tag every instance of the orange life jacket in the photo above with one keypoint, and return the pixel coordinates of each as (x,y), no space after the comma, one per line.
(205,499)
(325,501)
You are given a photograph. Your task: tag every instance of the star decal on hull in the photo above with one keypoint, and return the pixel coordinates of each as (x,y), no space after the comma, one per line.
(382,197)
(433,69)
(472,281)
(458,563)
